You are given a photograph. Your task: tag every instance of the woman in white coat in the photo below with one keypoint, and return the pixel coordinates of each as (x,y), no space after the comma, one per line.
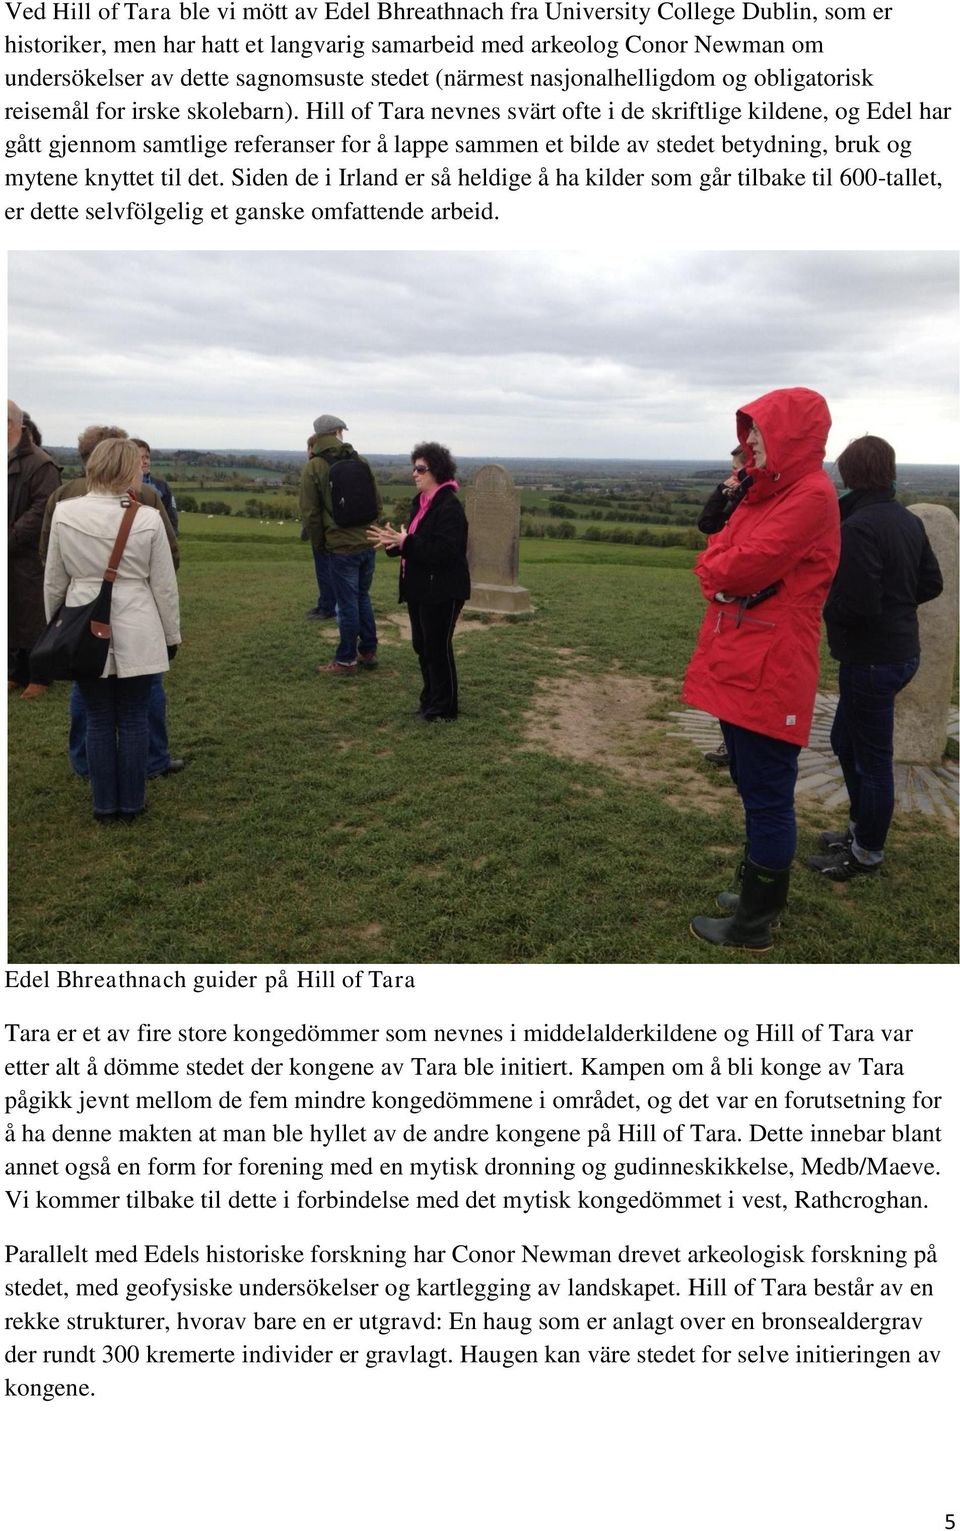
(144,616)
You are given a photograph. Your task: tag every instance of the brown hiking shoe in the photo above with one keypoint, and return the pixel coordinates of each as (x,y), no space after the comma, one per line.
(336,668)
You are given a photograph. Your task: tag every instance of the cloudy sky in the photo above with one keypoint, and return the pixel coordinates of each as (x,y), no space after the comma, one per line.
(512,354)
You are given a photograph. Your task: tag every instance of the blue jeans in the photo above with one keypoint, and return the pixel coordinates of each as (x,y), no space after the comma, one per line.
(862,740)
(117,742)
(326,594)
(764,772)
(352,578)
(158,748)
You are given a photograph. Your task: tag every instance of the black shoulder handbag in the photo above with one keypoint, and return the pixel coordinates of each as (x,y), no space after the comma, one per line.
(76,641)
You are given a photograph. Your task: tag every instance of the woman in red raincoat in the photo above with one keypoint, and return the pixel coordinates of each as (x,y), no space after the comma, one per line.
(766,577)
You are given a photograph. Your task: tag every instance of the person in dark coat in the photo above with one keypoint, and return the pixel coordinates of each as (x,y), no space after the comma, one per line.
(326,602)
(726,497)
(887,568)
(434,575)
(167,496)
(32,476)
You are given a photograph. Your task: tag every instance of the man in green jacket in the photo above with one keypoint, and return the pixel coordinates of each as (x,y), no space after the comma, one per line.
(339,499)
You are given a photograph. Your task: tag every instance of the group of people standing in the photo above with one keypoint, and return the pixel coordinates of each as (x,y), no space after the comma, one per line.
(61,537)
(60,542)
(781,552)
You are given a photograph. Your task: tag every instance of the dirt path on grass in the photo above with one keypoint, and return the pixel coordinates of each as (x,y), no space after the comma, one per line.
(610,720)
(468,624)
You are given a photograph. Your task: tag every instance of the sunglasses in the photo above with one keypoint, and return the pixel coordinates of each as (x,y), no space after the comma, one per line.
(420,467)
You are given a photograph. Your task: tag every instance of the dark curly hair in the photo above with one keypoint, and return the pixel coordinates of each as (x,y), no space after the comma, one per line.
(437,459)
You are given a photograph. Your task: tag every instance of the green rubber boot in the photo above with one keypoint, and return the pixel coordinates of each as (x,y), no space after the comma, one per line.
(728,900)
(763,895)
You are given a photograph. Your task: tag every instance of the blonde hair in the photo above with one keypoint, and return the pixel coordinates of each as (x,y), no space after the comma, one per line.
(113,467)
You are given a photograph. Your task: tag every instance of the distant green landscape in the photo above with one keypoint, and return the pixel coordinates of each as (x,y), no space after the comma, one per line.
(653,504)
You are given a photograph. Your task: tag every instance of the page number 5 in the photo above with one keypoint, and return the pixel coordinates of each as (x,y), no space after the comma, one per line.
(949,1523)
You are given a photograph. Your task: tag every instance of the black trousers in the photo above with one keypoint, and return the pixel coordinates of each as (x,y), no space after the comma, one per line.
(18,666)
(431,628)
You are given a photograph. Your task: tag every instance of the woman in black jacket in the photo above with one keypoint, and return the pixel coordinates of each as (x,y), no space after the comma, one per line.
(726,497)
(434,577)
(887,569)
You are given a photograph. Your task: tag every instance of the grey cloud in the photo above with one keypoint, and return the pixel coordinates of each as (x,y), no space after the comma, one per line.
(513,353)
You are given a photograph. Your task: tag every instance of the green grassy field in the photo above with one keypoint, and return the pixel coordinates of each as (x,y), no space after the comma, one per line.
(317,822)
(396,502)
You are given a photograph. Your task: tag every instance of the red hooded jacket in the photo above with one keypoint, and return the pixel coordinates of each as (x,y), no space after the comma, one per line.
(758,667)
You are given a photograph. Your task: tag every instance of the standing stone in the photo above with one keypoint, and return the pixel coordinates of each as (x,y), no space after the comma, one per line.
(493,549)
(922,710)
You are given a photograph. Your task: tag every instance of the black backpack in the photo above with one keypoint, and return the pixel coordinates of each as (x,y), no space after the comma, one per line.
(352,492)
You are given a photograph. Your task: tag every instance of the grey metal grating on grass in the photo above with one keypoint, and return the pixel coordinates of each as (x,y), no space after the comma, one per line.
(932,790)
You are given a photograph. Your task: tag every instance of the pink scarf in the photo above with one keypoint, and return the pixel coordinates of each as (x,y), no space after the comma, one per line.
(424,506)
